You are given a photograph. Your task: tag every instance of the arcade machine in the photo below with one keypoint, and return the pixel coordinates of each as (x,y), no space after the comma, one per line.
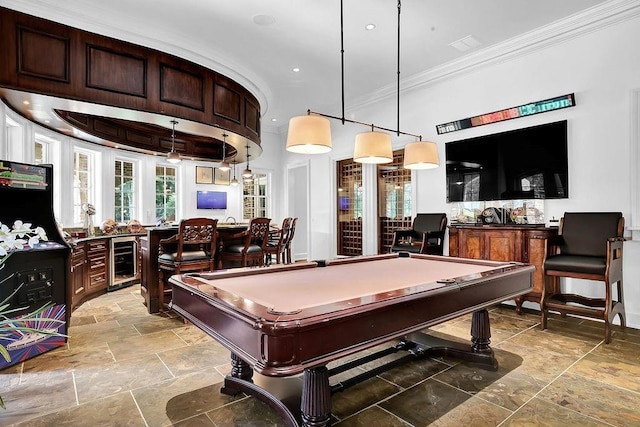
(33,263)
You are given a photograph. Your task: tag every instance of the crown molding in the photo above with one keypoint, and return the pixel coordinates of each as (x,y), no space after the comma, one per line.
(593,19)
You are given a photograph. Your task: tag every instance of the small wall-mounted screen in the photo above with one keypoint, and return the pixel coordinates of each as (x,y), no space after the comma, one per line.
(343,203)
(212,200)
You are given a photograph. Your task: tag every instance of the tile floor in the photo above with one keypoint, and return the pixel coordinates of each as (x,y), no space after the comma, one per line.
(124,367)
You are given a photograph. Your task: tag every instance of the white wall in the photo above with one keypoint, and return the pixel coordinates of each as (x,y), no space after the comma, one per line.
(601,67)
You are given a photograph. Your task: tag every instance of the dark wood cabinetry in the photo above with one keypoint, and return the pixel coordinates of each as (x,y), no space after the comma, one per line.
(97,261)
(89,272)
(504,243)
(77,288)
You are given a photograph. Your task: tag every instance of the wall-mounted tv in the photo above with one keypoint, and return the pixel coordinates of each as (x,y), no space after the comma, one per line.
(528,163)
(343,203)
(211,200)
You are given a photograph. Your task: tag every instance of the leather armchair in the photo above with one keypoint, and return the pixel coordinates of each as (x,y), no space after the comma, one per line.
(426,236)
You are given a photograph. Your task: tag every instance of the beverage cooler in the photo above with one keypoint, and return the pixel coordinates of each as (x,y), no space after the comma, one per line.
(33,262)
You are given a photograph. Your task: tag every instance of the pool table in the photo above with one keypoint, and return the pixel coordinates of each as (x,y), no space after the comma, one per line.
(285,320)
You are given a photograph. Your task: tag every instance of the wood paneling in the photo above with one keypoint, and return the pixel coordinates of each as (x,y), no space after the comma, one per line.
(227,103)
(252,117)
(116,71)
(181,87)
(42,55)
(45,57)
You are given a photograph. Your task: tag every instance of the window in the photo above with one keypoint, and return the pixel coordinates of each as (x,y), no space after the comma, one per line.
(82,185)
(125,206)
(40,154)
(165,193)
(255,196)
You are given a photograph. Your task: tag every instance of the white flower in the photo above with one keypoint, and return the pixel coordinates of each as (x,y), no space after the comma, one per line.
(40,232)
(33,241)
(18,238)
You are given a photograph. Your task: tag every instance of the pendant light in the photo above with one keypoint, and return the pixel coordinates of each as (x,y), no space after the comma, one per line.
(373,147)
(224,166)
(421,155)
(173,157)
(311,134)
(234,181)
(247,174)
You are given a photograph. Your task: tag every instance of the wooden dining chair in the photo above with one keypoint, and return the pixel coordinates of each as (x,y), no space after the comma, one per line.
(277,242)
(247,247)
(287,245)
(192,249)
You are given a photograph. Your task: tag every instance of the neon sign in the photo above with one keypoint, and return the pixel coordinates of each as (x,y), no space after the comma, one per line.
(551,104)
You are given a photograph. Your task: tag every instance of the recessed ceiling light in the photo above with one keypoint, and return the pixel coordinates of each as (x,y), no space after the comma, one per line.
(25,102)
(370,26)
(296,70)
(264,20)
(274,119)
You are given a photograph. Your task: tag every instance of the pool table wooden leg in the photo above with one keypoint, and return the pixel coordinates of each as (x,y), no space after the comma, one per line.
(480,332)
(240,370)
(315,406)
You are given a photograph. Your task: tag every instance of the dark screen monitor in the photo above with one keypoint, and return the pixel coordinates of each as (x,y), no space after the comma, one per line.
(528,163)
(211,200)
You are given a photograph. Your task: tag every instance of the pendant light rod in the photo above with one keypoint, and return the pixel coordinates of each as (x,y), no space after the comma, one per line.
(328,116)
(342,55)
(398,92)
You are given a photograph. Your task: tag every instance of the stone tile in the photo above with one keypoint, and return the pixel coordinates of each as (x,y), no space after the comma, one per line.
(97,382)
(373,417)
(610,371)
(360,396)
(35,395)
(198,357)
(192,335)
(97,334)
(507,387)
(70,359)
(537,363)
(623,350)
(427,402)
(473,412)
(178,399)
(550,342)
(410,374)
(602,401)
(119,409)
(77,320)
(587,331)
(153,324)
(248,412)
(539,412)
(197,421)
(145,344)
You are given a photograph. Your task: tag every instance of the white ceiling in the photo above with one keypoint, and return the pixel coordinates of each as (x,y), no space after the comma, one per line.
(222,35)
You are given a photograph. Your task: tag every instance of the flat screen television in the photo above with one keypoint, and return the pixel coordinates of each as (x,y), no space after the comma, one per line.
(211,200)
(528,163)
(343,203)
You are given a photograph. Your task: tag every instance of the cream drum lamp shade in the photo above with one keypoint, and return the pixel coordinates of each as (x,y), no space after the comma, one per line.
(309,135)
(373,147)
(421,155)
